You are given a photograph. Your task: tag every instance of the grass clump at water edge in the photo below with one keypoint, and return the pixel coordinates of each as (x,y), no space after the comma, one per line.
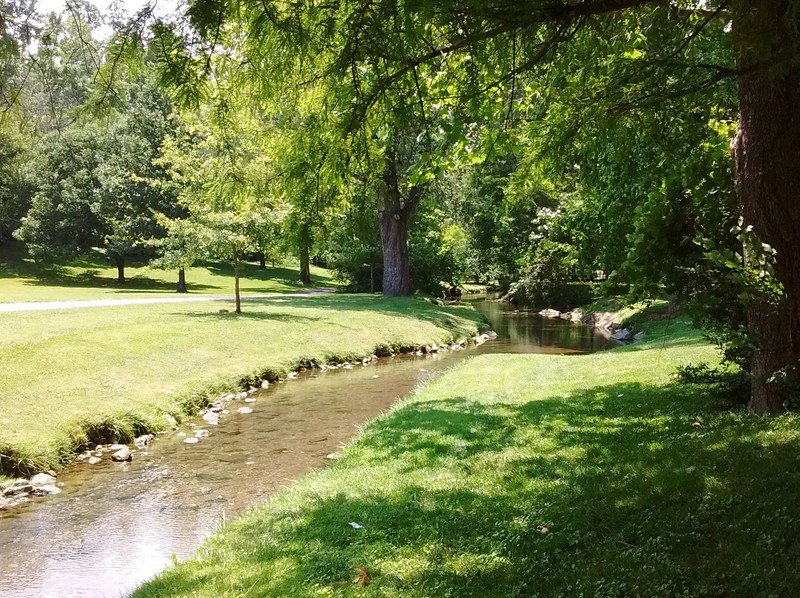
(533,475)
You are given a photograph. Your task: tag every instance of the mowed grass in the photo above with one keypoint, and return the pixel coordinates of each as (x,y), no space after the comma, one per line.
(533,475)
(68,377)
(95,277)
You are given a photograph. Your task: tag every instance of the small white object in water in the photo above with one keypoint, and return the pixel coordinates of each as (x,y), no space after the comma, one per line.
(355,525)
(191,441)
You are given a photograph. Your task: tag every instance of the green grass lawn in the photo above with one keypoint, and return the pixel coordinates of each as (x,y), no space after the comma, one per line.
(533,475)
(95,277)
(69,376)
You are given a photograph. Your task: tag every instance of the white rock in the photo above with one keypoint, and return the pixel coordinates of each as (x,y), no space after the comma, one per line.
(93,460)
(244,410)
(191,440)
(181,434)
(43,479)
(265,384)
(201,433)
(292,375)
(622,335)
(123,454)
(20,486)
(250,400)
(46,490)
(141,442)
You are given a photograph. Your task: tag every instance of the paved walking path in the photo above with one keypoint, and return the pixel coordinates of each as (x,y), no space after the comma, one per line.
(46,305)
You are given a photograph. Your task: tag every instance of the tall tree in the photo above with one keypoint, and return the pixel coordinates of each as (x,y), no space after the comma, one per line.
(383,55)
(217,159)
(505,39)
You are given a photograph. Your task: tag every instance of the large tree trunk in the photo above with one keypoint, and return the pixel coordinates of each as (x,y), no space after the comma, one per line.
(182,281)
(767,160)
(262,261)
(394,213)
(305,259)
(120,261)
(394,242)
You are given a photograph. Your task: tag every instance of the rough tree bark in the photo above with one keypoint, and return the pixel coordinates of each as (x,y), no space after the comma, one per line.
(182,281)
(305,259)
(236,262)
(394,212)
(766,153)
(120,261)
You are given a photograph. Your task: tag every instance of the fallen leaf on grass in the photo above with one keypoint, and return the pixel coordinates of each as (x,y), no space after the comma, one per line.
(355,525)
(363,576)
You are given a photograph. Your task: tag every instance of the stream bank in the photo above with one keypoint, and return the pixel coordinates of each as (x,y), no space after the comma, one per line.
(118,524)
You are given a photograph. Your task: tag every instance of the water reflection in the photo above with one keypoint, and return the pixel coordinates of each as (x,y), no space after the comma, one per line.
(521,331)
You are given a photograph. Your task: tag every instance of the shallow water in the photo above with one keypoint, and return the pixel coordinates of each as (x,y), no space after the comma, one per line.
(116,525)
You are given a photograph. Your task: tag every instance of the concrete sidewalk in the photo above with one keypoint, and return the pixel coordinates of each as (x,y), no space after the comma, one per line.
(48,305)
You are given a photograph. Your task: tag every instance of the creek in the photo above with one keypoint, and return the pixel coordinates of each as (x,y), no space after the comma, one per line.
(114,525)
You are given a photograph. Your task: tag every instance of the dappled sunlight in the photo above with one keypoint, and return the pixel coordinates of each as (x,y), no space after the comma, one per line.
(502,498)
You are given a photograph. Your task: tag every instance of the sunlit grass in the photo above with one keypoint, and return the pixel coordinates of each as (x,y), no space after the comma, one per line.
(117,369)
(533,475)
(95,277)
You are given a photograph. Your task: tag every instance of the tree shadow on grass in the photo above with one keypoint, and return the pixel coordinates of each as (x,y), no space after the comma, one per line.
(245,315)
(85,272)
(400,307)
(620,490)
(134,284)
(252,273)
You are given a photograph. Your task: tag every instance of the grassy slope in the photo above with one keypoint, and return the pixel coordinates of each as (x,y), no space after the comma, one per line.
(122,366)
(526,475)
(94,277)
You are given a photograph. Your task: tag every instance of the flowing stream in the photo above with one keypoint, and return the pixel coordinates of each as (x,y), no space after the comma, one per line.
(117,524)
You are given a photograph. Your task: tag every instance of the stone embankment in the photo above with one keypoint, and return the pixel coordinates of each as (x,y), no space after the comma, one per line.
(604,322)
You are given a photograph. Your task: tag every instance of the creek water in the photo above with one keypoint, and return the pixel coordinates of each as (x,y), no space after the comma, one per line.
(115,525)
